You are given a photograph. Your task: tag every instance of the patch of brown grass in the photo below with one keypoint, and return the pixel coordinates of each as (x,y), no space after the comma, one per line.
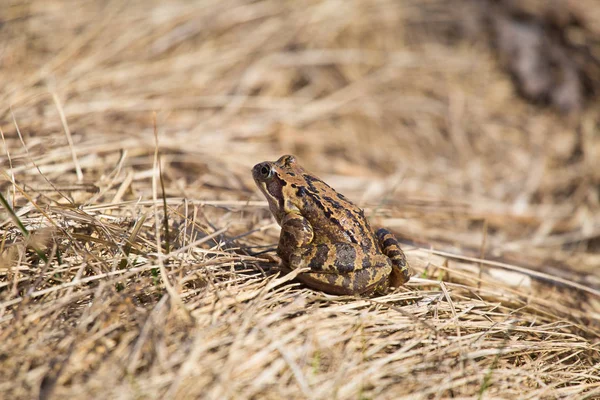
(497,201)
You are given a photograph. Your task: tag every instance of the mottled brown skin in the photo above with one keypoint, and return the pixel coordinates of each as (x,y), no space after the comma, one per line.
(324,231)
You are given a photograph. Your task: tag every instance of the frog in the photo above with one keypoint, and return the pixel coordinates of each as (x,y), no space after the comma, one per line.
(326,234)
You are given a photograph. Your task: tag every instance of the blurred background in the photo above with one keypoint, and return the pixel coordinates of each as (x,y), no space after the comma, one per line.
(466,125)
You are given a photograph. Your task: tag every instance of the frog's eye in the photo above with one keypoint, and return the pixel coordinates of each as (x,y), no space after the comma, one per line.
(266,171)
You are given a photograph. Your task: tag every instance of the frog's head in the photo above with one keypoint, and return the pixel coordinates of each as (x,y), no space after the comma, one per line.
(276,181)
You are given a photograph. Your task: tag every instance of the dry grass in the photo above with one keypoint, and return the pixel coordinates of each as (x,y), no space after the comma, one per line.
(497,200)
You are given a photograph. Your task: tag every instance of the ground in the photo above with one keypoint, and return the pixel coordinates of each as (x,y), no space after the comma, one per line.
(135,259)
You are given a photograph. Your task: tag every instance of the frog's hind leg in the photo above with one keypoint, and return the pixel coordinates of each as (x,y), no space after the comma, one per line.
(342,268)
(335,258)
(361,282)
(391,248)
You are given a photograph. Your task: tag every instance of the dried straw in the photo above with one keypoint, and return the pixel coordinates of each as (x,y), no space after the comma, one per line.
(496,199)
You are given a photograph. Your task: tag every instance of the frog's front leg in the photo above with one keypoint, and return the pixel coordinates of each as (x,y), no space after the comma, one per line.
(391,248)
(296,233)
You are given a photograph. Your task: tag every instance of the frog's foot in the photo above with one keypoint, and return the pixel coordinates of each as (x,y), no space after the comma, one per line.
(391,248)
(273,258)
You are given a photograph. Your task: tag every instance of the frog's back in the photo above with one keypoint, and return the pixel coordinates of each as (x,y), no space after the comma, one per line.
(334,218)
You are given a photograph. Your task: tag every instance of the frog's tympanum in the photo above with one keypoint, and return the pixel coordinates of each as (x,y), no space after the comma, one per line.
(323,231)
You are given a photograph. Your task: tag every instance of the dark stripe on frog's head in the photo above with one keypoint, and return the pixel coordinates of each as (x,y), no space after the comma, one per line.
(275,189)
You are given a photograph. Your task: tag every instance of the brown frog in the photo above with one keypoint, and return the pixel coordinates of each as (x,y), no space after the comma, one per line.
(325,232)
